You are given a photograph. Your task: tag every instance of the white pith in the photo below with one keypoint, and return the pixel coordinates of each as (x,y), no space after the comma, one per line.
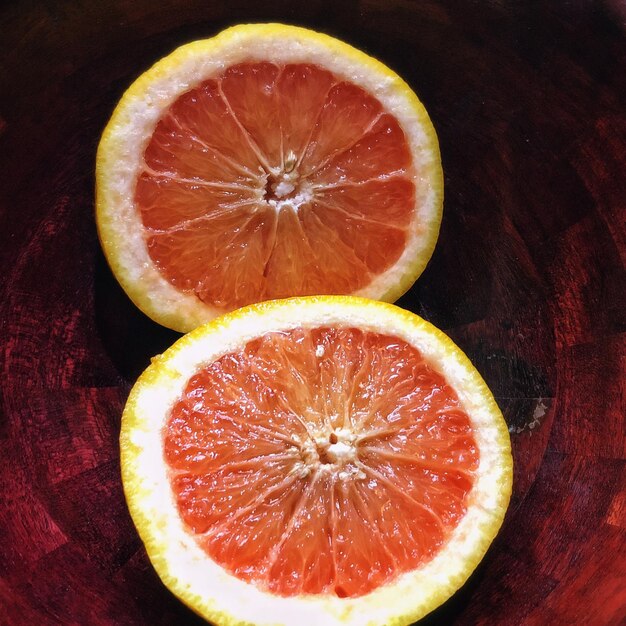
(318,454)
(121,161)
(222,597)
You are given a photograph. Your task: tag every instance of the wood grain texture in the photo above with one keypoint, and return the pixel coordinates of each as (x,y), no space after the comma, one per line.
(528,278)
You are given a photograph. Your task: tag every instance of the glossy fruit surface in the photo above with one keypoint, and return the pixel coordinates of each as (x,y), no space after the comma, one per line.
(330,459)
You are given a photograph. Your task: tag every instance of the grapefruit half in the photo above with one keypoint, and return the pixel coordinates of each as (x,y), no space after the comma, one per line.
(267,162)
(324,460)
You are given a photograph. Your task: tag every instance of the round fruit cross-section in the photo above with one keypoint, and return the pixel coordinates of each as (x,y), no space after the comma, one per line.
(316,460)
(267,162)
(323,460)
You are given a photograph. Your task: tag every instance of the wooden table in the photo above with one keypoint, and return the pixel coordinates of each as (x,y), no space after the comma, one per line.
(528,278)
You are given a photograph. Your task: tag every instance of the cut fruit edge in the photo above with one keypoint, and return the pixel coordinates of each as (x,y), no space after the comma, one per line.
(120,155)
(219,596)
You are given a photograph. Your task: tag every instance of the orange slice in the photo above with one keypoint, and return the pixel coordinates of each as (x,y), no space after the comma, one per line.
(269,161)
(327,460)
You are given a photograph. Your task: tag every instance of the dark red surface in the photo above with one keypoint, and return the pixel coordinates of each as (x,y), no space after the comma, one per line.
(528,277)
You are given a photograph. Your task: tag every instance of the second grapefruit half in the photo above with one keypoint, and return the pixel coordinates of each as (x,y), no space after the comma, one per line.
(324,460)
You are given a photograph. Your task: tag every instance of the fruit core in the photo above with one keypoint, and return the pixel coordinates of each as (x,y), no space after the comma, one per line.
(320,461)
(286,189)
(271,181)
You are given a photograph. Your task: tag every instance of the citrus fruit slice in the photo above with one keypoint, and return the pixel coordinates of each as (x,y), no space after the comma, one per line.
(324,460)
(267,162)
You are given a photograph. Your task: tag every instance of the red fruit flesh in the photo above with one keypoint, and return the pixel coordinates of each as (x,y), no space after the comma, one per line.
(273,181)
(320,461)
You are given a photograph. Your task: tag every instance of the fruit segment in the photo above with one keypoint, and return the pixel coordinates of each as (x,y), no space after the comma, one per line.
(365,245)
(346,115)
(220,258)
(275,180)
(379,153)
(168,203)
(251,95)
(302,92)
(204,116)
(325,460)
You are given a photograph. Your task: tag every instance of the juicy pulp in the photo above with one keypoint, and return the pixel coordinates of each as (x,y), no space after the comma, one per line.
(273,181)
(326,460)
